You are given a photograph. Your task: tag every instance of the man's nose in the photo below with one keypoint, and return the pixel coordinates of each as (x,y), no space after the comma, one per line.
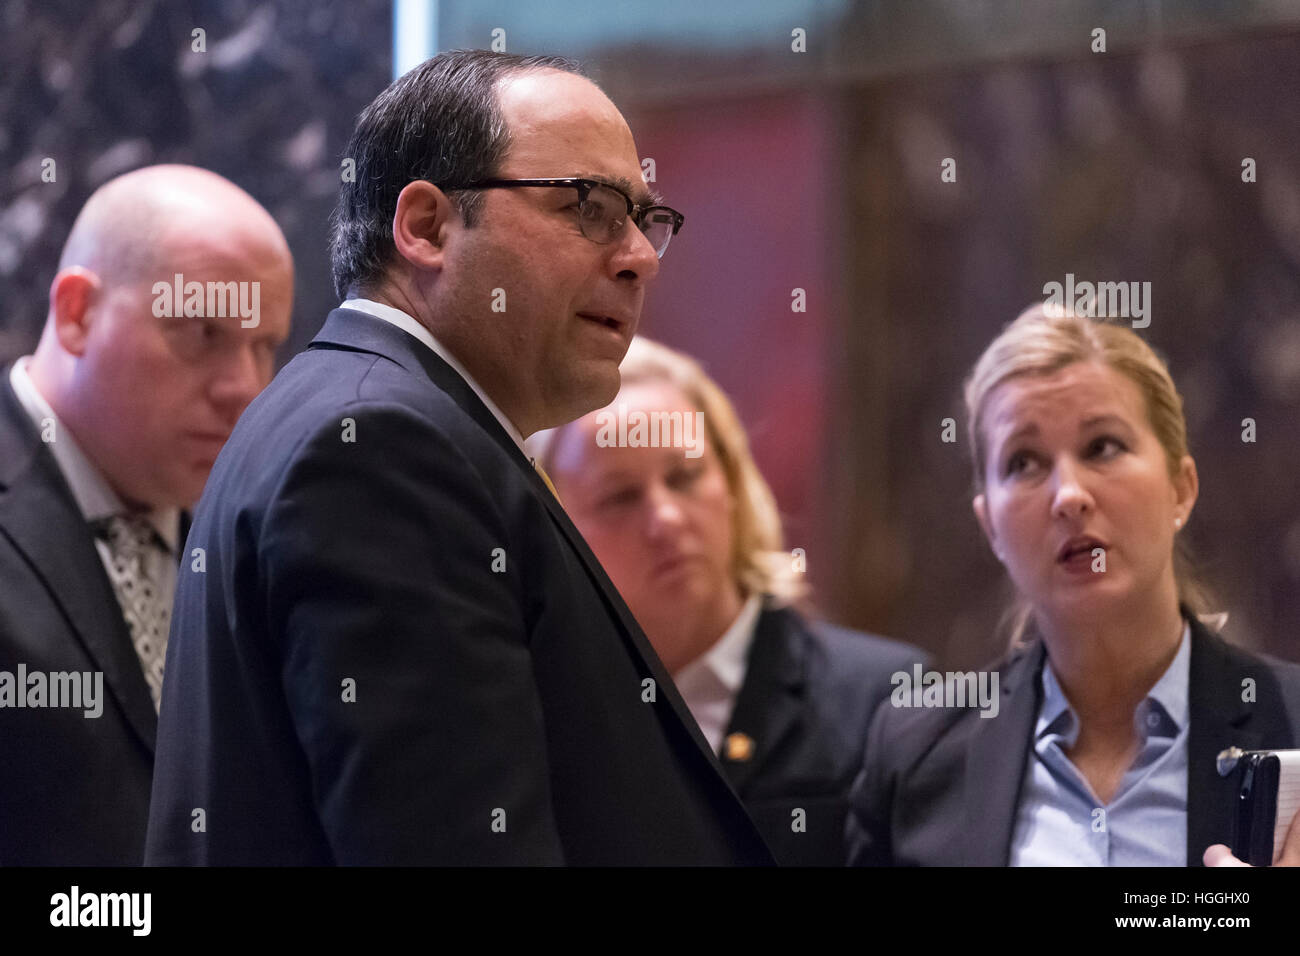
(634,257)
(238,381)
(1071,498)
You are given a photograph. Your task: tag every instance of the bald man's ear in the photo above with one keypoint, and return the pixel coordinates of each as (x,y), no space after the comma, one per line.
(72,293)
(421,224)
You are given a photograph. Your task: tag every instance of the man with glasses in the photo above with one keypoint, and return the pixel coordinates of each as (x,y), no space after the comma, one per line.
(400,650)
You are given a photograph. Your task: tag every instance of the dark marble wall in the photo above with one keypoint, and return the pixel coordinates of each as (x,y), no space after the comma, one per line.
(1122,166)
(108,86)
(1118,167)
(821,173)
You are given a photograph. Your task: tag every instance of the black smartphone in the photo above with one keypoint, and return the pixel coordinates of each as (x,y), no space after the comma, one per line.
(1268,795)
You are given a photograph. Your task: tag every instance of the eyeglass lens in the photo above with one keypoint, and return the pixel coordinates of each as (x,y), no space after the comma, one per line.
(605,211)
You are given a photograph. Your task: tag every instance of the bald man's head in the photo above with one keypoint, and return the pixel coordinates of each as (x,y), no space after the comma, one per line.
(130,224)
(148,385)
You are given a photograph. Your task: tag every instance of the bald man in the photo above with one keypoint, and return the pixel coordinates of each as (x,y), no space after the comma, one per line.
(172,293)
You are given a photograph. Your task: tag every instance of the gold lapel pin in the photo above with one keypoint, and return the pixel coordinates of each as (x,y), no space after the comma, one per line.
(739,747)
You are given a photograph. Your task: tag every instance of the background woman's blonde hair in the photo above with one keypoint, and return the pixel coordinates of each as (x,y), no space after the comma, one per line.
(1044,339)
(759,561)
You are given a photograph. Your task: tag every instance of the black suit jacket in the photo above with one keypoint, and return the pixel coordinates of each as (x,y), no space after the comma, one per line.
(401,650)
(74,789)
(941,787)
(809,692)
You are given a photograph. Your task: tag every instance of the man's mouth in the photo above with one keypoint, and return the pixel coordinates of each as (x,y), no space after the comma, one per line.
(609,321)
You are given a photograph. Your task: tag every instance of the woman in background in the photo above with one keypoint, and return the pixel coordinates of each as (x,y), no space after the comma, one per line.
(1116,698)
(689,533)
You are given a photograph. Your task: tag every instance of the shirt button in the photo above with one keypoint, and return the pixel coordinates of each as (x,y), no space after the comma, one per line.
(1153,720)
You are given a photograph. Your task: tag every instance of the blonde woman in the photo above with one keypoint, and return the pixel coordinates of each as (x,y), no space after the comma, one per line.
(688,531)
(1116,697)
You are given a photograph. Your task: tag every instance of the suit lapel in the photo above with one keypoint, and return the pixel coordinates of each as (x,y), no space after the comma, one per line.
(995,761)
(1221,719)
(41,518)
(772,697)
(640,645)
(355,330)
(183,535)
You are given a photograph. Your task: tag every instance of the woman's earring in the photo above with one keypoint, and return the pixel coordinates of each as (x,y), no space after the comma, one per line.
(1178,522)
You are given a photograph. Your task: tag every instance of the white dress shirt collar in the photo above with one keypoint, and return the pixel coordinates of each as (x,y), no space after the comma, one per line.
(95,499)
(711,682)
(730,655)
(409,325)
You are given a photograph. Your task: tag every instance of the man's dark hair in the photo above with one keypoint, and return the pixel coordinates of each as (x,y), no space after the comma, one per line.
(440,122)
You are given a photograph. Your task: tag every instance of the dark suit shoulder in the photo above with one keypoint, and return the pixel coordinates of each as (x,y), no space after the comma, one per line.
(910,803)
(329,402)
(1277,681)
(1287,673)
(856,656)
(917,733)
(318,386)
(853,670)
(1288,678)
(845,673)
(19,438)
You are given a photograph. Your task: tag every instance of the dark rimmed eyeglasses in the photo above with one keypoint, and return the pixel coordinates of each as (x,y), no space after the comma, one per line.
(603,210)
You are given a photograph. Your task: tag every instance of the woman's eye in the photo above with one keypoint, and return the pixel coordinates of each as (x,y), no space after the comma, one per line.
(684,477)
(619,498)
(1016,464)
(1106,447)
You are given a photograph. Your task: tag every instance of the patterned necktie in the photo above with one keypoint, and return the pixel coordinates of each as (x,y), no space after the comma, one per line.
(537,466)
(147,611)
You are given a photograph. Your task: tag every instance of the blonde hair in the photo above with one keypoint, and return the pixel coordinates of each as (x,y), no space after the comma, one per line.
(1044,339)
(759,562)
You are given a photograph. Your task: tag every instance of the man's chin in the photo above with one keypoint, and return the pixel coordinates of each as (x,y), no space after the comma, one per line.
(185,494)
(596,391)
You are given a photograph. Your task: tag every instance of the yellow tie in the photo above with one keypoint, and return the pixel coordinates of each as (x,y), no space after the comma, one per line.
(547,478)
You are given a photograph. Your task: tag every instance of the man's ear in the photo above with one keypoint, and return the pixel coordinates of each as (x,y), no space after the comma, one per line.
(72,293)
(979,506)
(421,223)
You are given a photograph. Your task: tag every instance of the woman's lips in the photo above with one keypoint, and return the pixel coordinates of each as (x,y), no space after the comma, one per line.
(1079,554)
(670,566)
(1079,544)
(1078,562)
